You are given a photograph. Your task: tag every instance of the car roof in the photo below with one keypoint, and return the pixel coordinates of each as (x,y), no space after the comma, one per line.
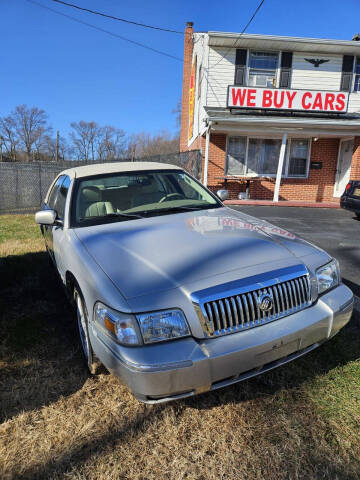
(116,167)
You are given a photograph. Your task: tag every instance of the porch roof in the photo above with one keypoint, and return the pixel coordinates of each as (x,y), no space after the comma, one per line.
(222,120)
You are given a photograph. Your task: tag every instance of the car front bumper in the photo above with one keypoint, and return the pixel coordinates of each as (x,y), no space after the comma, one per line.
(185,367)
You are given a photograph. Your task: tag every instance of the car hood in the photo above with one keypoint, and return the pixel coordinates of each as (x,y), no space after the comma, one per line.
(159,253)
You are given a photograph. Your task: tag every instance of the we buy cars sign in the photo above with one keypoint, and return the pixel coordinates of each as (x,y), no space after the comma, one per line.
(282,99)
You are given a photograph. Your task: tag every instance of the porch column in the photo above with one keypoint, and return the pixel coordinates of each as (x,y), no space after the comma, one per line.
(206,163)
(280,167)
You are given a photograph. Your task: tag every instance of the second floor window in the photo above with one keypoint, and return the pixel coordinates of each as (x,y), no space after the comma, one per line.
(262,69)
(357,75)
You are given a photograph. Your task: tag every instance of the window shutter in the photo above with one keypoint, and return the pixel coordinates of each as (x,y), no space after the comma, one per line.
(285,69)
(347,71)
(240,66)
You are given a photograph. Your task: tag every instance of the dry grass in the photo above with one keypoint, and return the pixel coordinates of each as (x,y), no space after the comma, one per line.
(300,421)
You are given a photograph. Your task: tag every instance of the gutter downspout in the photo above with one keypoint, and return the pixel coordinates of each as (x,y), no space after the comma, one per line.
(206,163)
(280,167)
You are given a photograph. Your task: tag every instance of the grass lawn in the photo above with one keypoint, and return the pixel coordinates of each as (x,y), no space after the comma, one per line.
(301,421)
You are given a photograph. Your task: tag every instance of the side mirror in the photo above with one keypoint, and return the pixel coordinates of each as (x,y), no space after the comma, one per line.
(223,194)
(46,217)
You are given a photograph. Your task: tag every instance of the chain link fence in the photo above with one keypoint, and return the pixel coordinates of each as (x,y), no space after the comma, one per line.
(23,186)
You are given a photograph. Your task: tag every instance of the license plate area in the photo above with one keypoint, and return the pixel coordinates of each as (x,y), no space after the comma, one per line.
(278,351)
(357,192)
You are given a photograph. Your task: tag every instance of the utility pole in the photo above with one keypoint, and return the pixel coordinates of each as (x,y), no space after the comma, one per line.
(57,147)
(1,147)
(133,150)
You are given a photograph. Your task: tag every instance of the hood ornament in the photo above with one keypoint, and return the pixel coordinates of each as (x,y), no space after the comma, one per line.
(265,302)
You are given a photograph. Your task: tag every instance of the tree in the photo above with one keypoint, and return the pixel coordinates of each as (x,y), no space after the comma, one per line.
(92,142)
(31,127)
(177,112)
(83,138)
(48,148)
(9,137)
(111,143)
(144,144)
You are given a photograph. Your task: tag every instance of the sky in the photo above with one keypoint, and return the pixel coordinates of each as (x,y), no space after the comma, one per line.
(75,73)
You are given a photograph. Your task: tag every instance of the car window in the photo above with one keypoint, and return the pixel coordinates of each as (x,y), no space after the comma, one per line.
(61,197)
(138,194)
(54,191)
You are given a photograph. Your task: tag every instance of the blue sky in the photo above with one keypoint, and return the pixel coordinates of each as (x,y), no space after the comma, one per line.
(76,73)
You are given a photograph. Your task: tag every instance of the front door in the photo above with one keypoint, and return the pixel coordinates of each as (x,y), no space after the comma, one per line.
(343,166)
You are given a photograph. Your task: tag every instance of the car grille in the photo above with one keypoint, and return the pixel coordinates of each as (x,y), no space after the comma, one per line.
(236,312)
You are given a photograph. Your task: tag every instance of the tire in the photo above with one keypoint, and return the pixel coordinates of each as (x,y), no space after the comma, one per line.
(357,215)
(92,362)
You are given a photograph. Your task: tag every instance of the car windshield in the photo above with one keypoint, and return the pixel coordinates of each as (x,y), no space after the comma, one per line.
(126,196)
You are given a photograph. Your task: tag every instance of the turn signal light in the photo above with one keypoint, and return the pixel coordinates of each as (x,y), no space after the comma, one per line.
(348,187)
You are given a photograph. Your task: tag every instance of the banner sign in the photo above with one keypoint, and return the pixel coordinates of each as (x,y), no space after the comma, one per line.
(192,99)
(282,99)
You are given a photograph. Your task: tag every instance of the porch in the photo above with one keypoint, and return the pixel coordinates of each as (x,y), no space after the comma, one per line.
(276,158)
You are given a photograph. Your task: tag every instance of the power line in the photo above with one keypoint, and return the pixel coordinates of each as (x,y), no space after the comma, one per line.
(241,33)
(160,52)
(95,12)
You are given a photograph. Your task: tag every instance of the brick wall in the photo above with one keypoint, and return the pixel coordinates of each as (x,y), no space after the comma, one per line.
(188,51)
(355,163)
(318,187)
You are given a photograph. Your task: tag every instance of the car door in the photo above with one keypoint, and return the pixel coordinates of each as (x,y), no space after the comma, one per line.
(58,233)
(50,204)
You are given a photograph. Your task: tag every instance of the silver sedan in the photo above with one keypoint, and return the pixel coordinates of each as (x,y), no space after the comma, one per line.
(177,294)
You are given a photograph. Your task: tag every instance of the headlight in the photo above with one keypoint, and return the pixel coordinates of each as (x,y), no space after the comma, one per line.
(328,276)
(163,325)
(121,326)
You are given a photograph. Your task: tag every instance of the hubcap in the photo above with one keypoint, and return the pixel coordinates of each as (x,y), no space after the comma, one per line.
(82,326)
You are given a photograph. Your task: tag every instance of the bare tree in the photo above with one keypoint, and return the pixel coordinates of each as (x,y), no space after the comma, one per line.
(84,136)
(31,126)
(111,143)
(93,142)
(177,112)
(144,144)
(48,148)
(9,136)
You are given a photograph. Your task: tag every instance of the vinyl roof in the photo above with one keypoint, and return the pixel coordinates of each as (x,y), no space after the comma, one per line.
(116,167)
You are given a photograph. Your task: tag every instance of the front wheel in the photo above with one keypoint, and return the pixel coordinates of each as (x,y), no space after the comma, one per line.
(93,364)
(358,215)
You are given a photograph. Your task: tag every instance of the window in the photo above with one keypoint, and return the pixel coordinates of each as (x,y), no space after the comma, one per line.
(136,195)
(54,191)
(263,156)
(357,75)
(262,69)
(236,155)
(298,157)
(61,198)
(260,157)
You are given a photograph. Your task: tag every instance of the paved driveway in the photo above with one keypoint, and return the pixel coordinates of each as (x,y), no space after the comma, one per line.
(335,230)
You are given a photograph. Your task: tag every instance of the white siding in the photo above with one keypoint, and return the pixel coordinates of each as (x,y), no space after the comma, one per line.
(221,71)
(221,74)
(354,102)
(326,76)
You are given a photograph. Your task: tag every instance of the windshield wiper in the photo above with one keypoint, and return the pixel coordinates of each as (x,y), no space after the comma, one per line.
(114,215)
(185,208)
(123,214)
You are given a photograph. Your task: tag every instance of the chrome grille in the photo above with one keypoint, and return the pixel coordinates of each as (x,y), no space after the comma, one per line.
(240,311)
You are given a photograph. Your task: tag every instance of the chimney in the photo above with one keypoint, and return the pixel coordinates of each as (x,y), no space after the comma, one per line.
(356,37)
(188,51)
